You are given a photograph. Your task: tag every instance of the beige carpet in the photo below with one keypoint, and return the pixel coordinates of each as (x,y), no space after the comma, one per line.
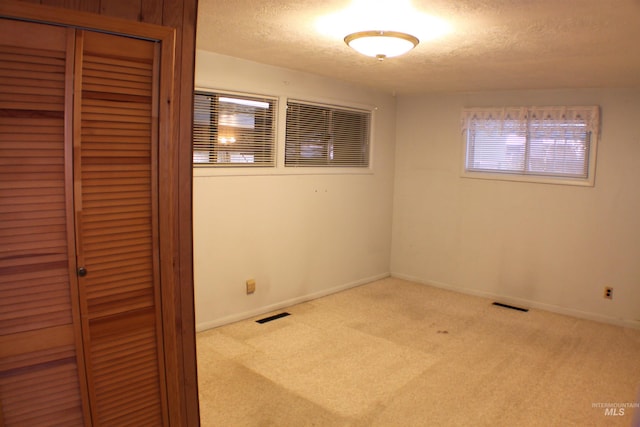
(396,353)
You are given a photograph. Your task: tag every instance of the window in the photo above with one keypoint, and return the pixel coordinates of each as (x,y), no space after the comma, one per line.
(548,144)
(323,135)
(233,130)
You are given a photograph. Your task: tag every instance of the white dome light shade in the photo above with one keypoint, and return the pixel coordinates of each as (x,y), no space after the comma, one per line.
(381,44)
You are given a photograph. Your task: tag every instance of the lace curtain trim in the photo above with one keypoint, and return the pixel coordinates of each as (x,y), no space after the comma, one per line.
(519,119)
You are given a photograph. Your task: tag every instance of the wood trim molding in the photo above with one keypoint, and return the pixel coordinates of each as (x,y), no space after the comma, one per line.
(182,14)
(82,20)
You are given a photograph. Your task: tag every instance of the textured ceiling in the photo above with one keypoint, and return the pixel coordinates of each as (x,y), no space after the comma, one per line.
(493,45)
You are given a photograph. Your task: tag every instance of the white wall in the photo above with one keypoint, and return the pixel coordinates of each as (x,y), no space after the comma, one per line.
(540,245)
(298,235)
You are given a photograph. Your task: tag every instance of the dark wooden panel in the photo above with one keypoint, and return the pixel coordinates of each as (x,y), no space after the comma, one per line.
(127,9)
(83,5)
(151,11)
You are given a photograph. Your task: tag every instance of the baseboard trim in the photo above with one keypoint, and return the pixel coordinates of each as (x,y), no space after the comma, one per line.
(203,326)
(523,302)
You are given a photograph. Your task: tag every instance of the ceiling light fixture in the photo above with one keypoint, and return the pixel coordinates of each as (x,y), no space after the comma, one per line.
(381,44)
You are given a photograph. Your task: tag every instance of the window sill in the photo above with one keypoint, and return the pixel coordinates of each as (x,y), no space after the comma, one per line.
(281,171)
(538,179)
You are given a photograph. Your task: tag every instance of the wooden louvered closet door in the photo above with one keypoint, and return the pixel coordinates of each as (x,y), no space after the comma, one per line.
(80,313)
(40,380)
(116,219)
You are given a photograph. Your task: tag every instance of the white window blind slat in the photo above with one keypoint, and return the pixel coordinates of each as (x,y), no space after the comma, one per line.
(326,136)
(233,130)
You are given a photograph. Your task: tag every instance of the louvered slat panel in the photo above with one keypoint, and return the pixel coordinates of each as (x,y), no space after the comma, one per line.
(41,357)
(116,256)
(124,361)
(39,382)
(44,395)
(22,239)
(116,237)
(124,281)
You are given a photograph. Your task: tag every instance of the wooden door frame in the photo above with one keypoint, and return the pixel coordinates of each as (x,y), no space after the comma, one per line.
(175,189)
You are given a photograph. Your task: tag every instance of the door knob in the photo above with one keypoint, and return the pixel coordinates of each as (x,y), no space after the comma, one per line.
(82,272)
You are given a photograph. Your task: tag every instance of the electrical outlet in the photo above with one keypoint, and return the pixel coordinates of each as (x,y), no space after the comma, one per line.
(251,286)
(608,292)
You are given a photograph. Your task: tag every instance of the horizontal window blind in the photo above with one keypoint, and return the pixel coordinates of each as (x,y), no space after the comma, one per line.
(540,141)
(326,136)
(233,130)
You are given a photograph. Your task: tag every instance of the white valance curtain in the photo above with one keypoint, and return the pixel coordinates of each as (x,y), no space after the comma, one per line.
(553,121)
